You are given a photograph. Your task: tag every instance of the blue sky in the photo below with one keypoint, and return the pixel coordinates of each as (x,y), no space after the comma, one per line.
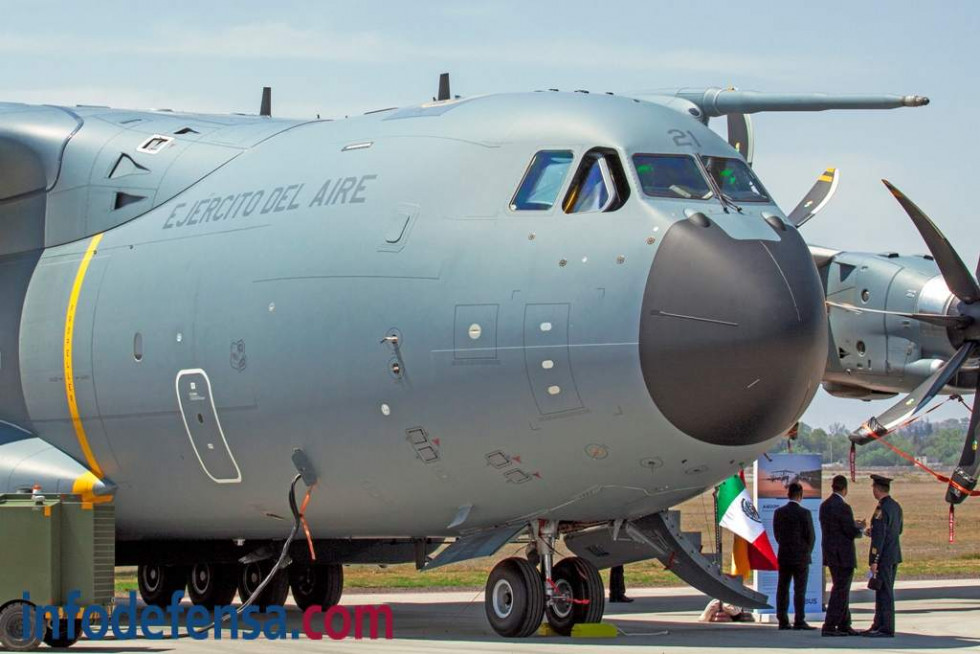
(337,58)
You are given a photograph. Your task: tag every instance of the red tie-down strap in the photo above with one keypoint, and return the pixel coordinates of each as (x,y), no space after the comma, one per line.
(554,587)
(911,459)
(908,457)
(306,526)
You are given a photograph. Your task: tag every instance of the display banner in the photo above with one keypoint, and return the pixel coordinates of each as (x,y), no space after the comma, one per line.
(773,475)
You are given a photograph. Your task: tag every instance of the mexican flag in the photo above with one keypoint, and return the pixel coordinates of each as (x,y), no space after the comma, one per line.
(737,514)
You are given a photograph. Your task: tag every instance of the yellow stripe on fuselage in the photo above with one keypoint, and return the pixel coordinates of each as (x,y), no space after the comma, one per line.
(76,419)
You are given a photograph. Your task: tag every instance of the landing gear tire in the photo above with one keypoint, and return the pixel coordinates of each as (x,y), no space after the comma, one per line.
(575,578)
(275,592)
(12,628)
(62,641)
(316,585)
(212,584)
(514,598)
(158,583)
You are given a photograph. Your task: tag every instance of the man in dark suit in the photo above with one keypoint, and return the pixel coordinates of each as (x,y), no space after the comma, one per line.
(884,556)
(793,527)
(838,531)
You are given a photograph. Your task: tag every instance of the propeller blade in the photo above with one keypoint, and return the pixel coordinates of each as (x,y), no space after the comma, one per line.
(741,136)
(965,475)
(914,401)
(931,318)
(958,277)
(444,93)
(816,198)
(265,108)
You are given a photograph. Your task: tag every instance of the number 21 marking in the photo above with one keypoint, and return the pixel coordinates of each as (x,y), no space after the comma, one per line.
(683,139)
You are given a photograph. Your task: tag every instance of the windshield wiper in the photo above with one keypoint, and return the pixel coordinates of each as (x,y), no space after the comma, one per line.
(725,200)
(731,202)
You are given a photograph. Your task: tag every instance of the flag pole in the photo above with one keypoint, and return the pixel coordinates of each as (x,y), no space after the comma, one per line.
(721,561)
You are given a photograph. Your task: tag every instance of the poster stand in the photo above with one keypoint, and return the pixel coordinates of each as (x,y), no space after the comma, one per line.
(772,476)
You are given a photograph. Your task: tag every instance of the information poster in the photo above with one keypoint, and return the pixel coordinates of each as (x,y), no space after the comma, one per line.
(773,475)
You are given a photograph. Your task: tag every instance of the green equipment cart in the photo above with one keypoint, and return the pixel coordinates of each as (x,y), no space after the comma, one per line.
(51,545)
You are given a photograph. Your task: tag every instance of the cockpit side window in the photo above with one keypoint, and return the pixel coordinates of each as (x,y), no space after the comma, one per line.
(671,176)
(735,179)
(543,180)
(599,184)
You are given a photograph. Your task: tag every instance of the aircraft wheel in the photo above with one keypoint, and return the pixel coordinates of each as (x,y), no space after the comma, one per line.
(316,585)
(275,592)
(12,628)
(575,578)
(514,600)
(211,584)
(62,641)
(158,583)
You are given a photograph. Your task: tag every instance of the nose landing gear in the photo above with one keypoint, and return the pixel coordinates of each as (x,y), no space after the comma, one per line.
(578,595)
(515,598)
(519,596)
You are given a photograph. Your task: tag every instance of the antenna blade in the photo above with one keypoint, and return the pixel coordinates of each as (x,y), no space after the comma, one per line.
(444,92)
(266,107)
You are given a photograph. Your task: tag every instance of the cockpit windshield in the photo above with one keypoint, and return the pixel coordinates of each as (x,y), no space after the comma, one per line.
(671,176)
(735,179)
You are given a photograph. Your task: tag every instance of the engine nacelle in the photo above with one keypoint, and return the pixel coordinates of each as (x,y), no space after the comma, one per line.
(874,356)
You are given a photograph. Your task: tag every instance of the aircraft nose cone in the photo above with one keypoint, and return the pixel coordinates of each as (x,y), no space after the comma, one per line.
(733,336)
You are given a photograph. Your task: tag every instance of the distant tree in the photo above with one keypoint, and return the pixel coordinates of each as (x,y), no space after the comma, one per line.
(945,445)
(941,441)
(808,440)
(877,454)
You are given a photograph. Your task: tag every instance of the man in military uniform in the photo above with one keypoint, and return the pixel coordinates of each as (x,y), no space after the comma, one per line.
(884,556)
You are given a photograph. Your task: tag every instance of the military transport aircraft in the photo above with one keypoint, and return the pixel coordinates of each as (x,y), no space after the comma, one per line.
(784,477)
(477,320)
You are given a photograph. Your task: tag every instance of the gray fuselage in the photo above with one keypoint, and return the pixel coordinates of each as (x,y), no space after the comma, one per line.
(531,347)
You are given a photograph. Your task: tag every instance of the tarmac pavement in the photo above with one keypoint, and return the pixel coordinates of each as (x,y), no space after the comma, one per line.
(932,616)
